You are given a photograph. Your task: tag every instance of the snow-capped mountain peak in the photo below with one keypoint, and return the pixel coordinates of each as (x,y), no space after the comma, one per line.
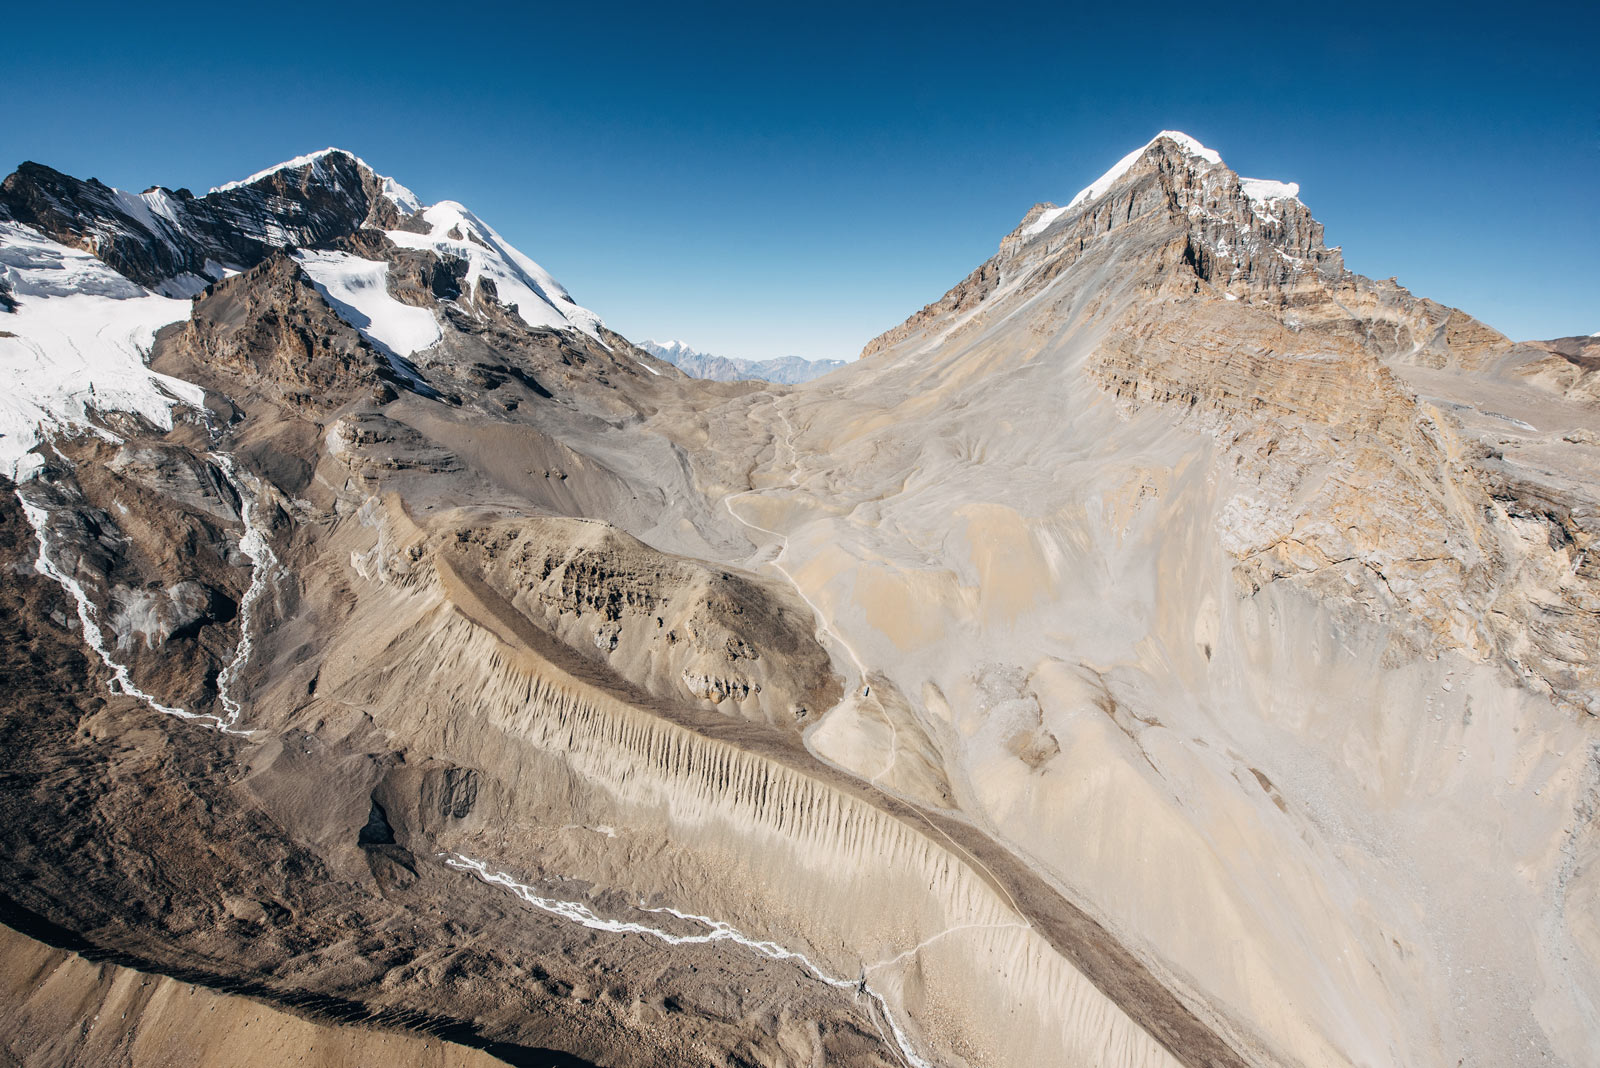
(789,370)
(518,281)
(89,274)
(1263,195)
(287,165)
(404,199)
(1190,146)
(1101,185)
(176,244)
(447,229)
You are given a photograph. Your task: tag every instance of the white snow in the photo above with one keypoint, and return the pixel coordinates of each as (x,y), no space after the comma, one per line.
(715,931)
(77,342)
(403,198)
(153,210)
(1260,191)
(539,299)
(677,348)
(1264,190)
(286,165)
(358,290)
(80,337)
(121,681)
(264,570)
(183,286)
(1042,223)
(1108,179)
(189,284)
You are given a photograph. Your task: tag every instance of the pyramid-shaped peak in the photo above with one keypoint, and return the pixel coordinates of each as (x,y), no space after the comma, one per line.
(297,163)
(1188,145)
(404,199)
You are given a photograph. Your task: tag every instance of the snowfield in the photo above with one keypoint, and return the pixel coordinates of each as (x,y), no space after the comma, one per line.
(358,290)
(76,343)
(518,281)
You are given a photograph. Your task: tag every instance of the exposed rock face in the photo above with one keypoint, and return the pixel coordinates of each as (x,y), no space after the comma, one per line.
(1167,649)
(1288,562)
(967,294)
(788,370)
(1569,366)
(268,327)
(673,626)
(1357,487)
(177,243)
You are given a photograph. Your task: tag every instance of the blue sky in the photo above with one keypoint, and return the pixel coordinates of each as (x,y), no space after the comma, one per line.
(760,180)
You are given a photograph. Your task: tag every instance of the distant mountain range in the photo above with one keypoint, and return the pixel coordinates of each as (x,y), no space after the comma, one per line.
(789,370)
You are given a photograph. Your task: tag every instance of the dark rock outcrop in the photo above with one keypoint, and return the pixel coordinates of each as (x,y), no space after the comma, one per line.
(177,243)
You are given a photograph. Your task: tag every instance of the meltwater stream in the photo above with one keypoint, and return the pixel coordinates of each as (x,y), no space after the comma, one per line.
(264,564)
(263,567)
(121,681)
(716,931)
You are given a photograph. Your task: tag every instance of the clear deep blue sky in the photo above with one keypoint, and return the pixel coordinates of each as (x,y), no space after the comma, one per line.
(760,180)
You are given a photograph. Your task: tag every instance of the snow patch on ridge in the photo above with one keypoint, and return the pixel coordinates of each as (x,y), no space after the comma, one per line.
(358,290)
(154,211)
(1042,223)
(287,165)
(77,343)
(403,198)
(1099,186)
(540,300)
(1264,190)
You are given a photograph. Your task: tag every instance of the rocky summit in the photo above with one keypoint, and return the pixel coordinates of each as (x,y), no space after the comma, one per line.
(1167,648)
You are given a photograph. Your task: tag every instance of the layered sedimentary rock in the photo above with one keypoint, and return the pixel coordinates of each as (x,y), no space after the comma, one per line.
(177,243)
(1167,649)
(1265,621)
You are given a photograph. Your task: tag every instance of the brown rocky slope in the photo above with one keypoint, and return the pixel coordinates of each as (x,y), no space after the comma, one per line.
(1115,666)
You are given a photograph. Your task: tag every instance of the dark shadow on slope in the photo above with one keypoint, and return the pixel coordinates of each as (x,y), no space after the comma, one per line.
(319,1007)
